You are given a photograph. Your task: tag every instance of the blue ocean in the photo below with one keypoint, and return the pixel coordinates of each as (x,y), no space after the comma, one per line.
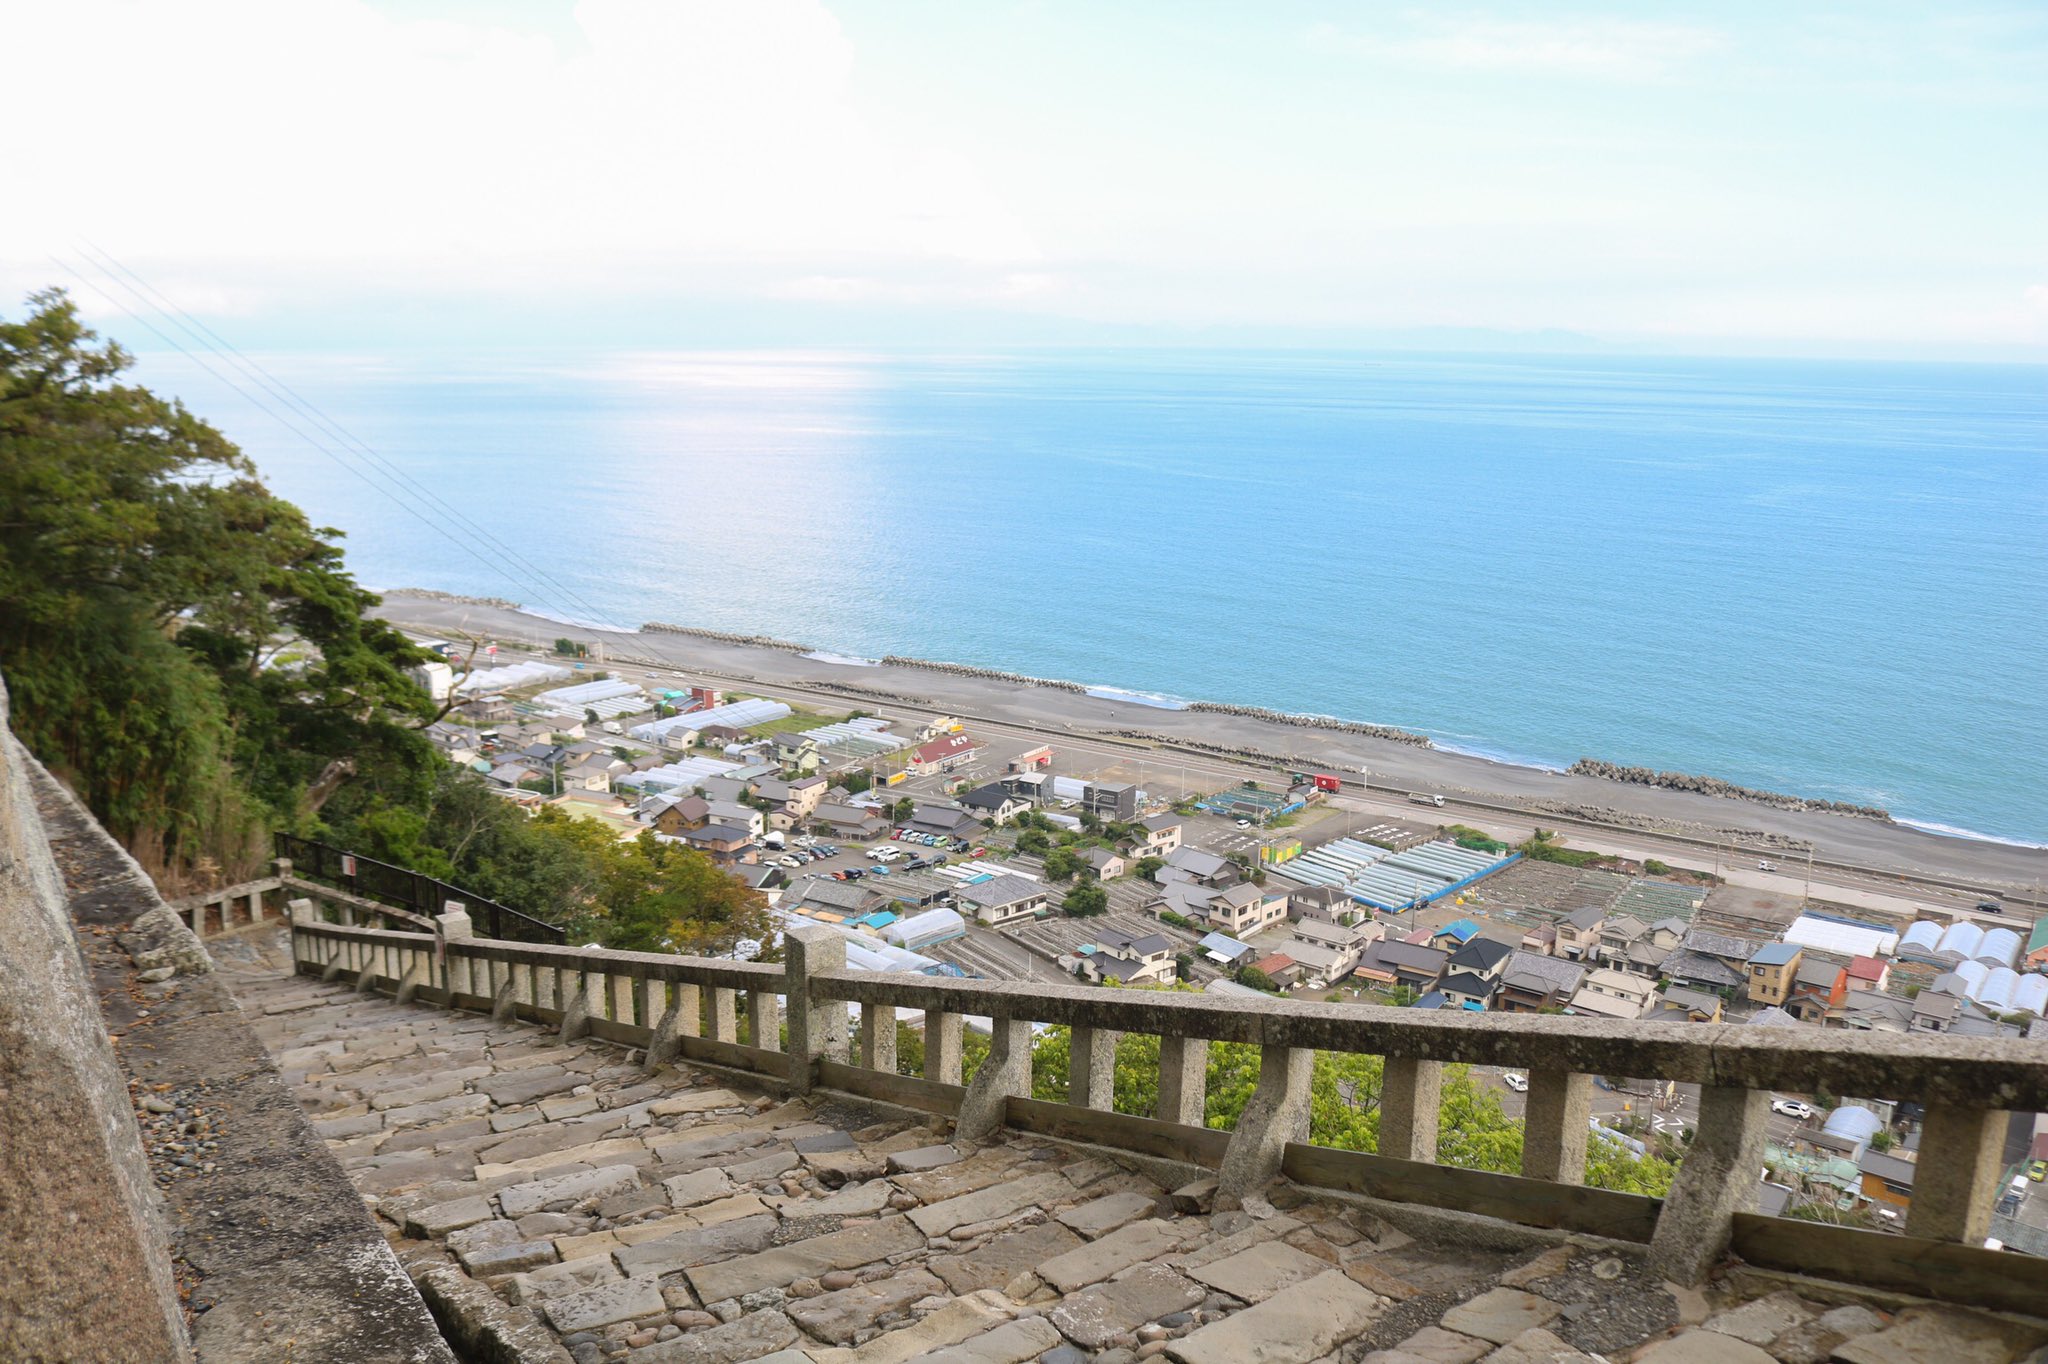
(1826,578)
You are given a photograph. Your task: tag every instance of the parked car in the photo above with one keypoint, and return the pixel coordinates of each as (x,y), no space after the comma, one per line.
(1244,824)
(2037,1170)
(1766,866)
(1990,907)
(1792,1108)
(1516,1081)
(979,852)
(879,870)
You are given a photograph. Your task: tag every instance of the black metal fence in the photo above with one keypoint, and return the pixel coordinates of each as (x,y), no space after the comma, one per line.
(408,889)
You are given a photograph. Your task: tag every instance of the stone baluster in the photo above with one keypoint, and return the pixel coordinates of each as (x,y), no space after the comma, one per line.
(1554,1128)
(1005,1074)
(1091,1068)
(806,951)
(725,1017)
(942,1047)
(1276,1114)
(1411,1102)
(1956,1179)
(878,1037)
(764,1019)
(1183,1080)
(453,924)
(1716,1180)
(621,1010)
(680,1017)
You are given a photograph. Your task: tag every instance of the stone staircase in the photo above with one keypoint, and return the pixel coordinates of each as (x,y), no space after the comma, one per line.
(556,1202)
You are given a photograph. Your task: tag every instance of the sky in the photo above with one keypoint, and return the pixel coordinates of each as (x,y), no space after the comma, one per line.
(1861,178)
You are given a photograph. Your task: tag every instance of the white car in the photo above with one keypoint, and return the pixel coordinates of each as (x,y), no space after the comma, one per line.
(1244,824)
(1515,1081)
(1792,1108)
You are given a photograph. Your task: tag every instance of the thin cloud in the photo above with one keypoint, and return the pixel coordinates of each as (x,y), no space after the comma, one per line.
(1608,49)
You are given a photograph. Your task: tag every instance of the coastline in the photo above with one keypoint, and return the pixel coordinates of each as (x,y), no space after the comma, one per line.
(1394,757)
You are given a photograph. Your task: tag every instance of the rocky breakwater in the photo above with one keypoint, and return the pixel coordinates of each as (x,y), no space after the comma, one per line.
(662,627)
(1714,786)
(1330,722)
(430,594)
(985,674)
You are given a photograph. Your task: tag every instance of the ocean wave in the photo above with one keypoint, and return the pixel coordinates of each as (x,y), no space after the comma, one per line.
(1928,826)
(843,660)
(1157,700)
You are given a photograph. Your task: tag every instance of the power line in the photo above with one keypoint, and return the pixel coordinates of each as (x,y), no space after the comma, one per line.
(403,490)
(107,262)
(265,407)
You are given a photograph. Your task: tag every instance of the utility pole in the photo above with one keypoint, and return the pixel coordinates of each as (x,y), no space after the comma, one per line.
(1807,893)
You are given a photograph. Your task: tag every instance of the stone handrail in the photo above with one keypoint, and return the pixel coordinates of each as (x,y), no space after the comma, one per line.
(680,1006)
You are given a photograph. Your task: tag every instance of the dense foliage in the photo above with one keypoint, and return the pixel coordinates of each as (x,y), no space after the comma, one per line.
(188,653)
(1473,1131)
(182,646)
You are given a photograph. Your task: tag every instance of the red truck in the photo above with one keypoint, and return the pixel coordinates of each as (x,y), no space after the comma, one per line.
(1322,781)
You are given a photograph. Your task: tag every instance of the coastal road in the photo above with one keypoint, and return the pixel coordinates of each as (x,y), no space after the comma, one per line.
(1871,854)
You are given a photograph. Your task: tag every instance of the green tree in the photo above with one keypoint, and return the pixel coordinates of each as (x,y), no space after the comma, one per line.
(1148,867)
(1085,900)
(1033,841)
(1253,978)
(1061,864)
(185,649)
(903,809)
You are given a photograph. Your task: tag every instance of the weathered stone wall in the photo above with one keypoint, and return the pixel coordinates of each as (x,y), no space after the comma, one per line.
(84,1267)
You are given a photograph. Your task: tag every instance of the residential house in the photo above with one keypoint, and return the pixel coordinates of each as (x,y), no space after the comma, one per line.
(1818,988)
(1244,909)
(1677,1004)
(1111,800)
(944,821)
(1344,937)
(993,803)
(1866,973)
(1481,957)
(1709,961)
(726,844)
(676,815)
(1325,904)
(846,821)
(1283,970)
(1878,1011)
(1772,969)
(512,774)
(740,815)
(488,710)
(1453,935)
(765,877)
(1400,963)
(1106,863)
(1467,989)
(944,754)
(1934,1010)
(1162,835)
(1608,993)
(797,752)
(835,901)
(1887,1180)
(1202,868)
(1320,966)
(1620,936)
(2037,945)
(592,773)
(1541,940)
(1032,785)
(1004,899)
(1578,933)
(1225,951)
(1531,982)
(1143,959)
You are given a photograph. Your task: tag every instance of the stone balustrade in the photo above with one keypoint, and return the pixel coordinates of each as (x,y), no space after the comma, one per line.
(687,1007)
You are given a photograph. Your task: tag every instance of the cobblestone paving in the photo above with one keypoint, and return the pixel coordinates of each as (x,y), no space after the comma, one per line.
(554,1202)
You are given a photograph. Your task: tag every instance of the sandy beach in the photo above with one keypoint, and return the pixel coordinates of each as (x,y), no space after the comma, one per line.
(1875,845)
